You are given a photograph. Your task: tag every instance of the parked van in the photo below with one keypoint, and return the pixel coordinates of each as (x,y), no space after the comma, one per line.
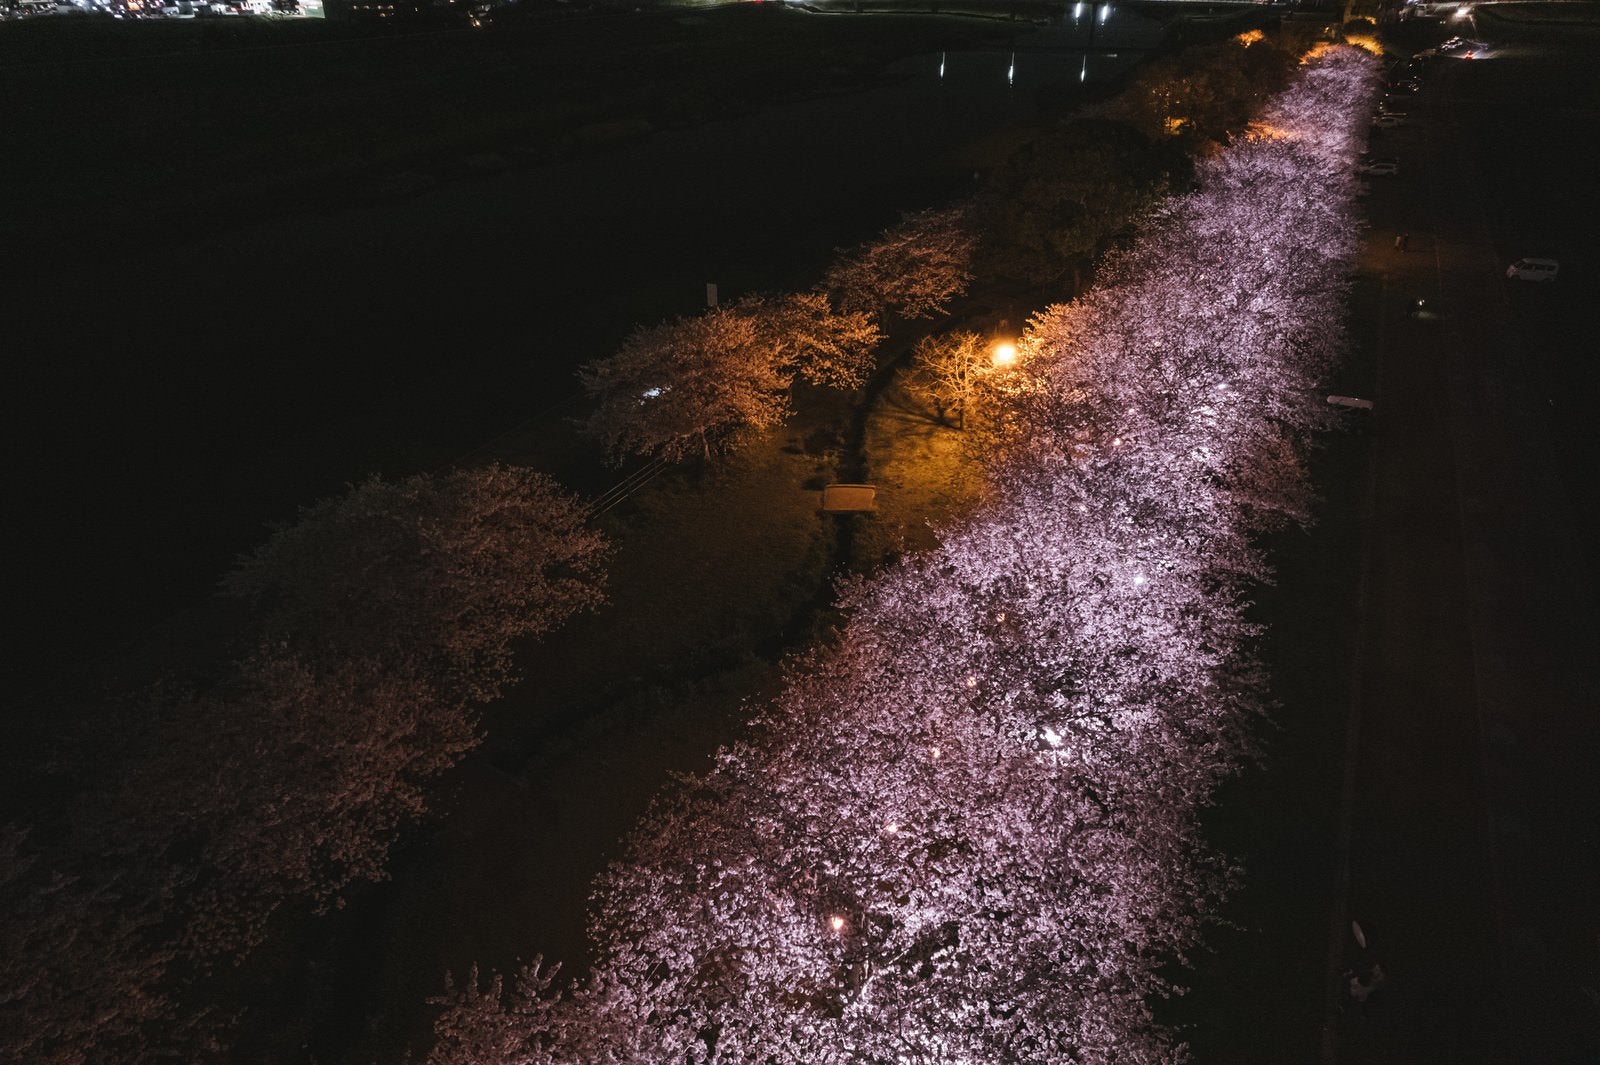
(1533,270)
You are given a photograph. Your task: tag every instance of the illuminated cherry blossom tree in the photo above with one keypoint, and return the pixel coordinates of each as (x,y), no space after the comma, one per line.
(685,387)
(706,384)
(435,575)
(947,371)
(915,269)
(806,336)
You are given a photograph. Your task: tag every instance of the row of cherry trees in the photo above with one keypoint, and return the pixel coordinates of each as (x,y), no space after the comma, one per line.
(967,830)
(707,383)
(712,382)
(698,385)
(382,617)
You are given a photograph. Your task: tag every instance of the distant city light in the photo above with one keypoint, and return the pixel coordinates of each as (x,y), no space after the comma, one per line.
(836,923)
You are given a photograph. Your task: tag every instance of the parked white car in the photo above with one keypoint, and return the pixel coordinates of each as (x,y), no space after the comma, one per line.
(1533,270)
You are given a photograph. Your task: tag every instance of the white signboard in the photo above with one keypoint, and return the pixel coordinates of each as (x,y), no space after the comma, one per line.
(845,498)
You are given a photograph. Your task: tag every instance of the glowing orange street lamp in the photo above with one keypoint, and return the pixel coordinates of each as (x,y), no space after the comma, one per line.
(1003,355)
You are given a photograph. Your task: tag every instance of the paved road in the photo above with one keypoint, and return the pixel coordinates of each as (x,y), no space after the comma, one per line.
(1472,856)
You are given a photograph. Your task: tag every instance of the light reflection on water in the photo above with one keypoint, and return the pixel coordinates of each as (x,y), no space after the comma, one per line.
(1016,74)
(1088,43)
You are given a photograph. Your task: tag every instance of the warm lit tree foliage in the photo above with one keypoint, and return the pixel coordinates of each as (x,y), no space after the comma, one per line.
(705,384)
(967,831)
(914,269)
(434,576)
(690,386)
(807,336)
(695,386)
(947,369)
